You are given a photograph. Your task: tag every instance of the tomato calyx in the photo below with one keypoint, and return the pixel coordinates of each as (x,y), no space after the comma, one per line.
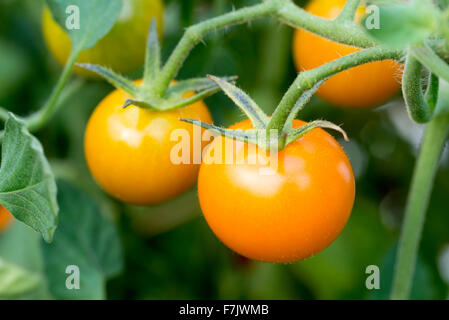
(264,135)
(177,95)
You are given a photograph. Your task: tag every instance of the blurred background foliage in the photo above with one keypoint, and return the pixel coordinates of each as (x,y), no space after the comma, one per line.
(169,251)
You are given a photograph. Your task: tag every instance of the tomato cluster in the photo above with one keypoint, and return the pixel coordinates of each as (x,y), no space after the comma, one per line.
(288,215)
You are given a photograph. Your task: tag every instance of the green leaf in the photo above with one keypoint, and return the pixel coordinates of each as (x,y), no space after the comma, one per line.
(86,21)
(403,23)
(86,239)
(21,273)
(27,185)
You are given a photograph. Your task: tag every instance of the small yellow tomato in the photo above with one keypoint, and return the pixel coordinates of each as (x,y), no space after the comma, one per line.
(122,49)
(129,150)
(364,86)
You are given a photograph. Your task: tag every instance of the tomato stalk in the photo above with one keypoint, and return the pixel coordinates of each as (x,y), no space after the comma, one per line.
(37,120)
(419,106)
(284,10)
(308,79)
(431,60)
(349,11)
(422,183)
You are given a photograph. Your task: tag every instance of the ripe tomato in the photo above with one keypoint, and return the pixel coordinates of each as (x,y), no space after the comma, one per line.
(122,49)
(128,150)
(288,215)
(6,218)
(360,87)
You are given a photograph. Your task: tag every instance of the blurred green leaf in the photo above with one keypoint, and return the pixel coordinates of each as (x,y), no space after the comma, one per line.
(96,18)
(13,67)
(403,23)
(21,270)
(86,239)
(15,282)
(27,185)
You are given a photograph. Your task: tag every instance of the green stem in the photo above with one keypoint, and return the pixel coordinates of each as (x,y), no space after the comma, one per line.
(417,106)
(40,118)
(431,61)
(349,11)
(344,32)
(194,34)
(306,80)
(422,183)
(285,10)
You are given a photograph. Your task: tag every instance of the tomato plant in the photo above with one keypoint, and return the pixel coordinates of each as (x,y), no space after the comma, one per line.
(272,188)
(128,150)
(364,86)
(130,32)
(278,217)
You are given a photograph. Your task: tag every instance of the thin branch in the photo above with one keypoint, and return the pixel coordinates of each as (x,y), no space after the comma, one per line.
(308,79)
(349,11)
(417,107)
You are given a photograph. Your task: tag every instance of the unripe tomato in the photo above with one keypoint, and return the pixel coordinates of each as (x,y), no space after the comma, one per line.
(360,87)
(288,215)
(122,49)
(128,150)
(6,218)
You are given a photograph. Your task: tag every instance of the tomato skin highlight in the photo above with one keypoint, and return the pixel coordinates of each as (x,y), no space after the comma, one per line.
(364,86)
(122,49)
(6,218)
(284,217)
(128,150)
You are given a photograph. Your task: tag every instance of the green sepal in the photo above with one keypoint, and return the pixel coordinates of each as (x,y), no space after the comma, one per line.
(170,104)
(259,137)
(258,118)
(152,56)
(195,84)
(249,136)
(113,78)
(297,133)
(143,104)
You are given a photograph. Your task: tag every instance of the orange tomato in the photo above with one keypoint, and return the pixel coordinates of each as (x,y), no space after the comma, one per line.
(288,215)
(360,87)
(122,49)
(6,218)
(128,151)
